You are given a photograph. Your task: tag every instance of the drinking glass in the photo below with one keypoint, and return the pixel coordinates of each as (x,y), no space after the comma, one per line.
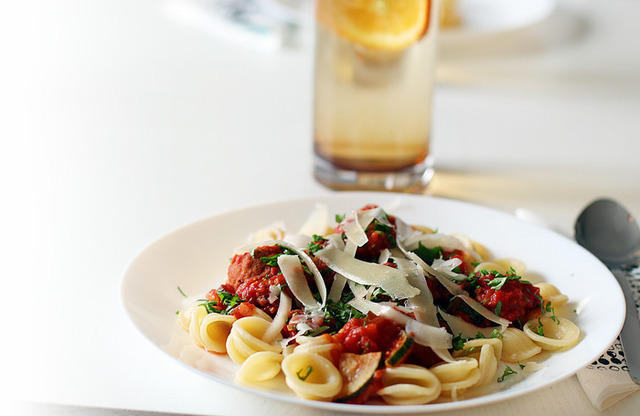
(374,77)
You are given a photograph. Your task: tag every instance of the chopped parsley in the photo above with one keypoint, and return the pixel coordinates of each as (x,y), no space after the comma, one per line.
(226,304)
(458,342)
(181,292)
(340,218)
(340,312)
(380,295)
(304,377)
(497,282)
(317,331)
(551,311)
(272,261)
(508,371)
(498,308)
(428,255)
(494,334)
(316,244)
(537,329)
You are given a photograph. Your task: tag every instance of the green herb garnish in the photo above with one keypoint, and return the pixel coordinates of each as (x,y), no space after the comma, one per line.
(316,244)
(227,301)
(498,308)
(272,261)
(537,329)
(508,371)
(428,255)
(304,377)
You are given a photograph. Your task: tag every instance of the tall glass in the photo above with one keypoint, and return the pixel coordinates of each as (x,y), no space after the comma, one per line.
(372,110)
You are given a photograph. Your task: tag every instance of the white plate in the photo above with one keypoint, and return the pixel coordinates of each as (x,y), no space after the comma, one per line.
(481,17)
(195,257)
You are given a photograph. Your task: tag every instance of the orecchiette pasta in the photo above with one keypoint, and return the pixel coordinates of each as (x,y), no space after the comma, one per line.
(245,339)
(316,345)
(552,333)
(457,376)
(502,266)
(195,320)
(550,293)
(275,231)
(517,346)
(474,245)
(311,376)
(260,366)
(409,385)
(214,331)
(487,351)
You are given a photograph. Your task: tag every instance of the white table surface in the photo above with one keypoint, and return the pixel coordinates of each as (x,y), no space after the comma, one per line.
(120,122)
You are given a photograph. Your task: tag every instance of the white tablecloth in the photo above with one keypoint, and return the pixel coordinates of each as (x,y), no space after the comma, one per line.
(120,122)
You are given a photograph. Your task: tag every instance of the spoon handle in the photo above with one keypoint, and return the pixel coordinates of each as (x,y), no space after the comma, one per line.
(630,334)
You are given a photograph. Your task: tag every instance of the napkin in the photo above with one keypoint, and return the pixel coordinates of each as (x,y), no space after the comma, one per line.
(606,381)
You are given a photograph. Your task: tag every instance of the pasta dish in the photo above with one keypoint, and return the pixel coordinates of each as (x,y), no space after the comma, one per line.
(370,309)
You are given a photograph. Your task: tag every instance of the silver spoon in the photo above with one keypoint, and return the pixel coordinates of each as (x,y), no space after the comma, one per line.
(611,233)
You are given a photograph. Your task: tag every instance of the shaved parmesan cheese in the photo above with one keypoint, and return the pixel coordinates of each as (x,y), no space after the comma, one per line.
(350,248)
(279,321)
(403,230)
(275,231)
(447,266)
(297,281)
(452,287)
(274,293)
(486,313)
(335,240)
(357,290)
(355,225)
(311,266)
(430,336)
(427,335)
(317,223)
(422,304)
(354,229)
(298,240)
(392,280)
(339,282)
(384,256)
(464,328)
(532,366)
(447,242)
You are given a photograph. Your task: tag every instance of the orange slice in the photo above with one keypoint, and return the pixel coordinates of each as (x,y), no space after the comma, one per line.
(376,24)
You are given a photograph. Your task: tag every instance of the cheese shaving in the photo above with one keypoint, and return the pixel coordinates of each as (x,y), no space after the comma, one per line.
(392,280)
(452,287)
(279,321)
(422,304)
(464,328)
(486,313)
(335,293)
(293,273)
(447,242)
(317,223)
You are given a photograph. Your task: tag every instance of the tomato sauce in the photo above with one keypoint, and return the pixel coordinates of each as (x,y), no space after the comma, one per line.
(251,278)
(378,238)
(514,301)
(364,335)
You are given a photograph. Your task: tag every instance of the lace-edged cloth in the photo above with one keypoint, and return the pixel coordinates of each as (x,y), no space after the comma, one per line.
(606,381)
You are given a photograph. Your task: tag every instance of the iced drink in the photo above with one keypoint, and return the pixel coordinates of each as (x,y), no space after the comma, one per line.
(373,87)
